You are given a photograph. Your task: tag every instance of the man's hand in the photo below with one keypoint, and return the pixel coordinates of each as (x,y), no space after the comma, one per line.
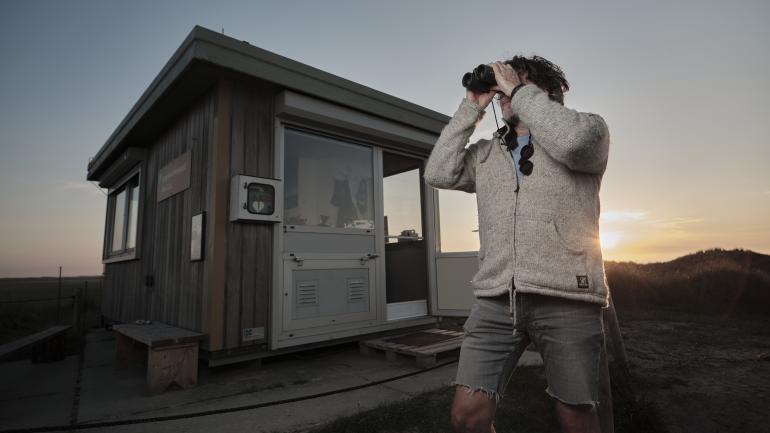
(482,99)
(506,77)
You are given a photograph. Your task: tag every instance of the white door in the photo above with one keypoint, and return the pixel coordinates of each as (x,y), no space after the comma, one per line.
(329,248)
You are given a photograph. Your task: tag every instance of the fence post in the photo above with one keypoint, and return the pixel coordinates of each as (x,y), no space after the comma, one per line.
(85,305)
(77,319)
(58,301)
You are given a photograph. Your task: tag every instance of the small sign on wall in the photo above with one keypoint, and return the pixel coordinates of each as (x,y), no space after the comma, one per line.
(251,334)
(174,177)
(196,237)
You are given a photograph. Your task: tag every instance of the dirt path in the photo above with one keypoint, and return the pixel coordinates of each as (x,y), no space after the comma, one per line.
(706,374)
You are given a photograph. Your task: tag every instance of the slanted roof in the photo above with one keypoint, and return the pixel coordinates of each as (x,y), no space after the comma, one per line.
(205,55)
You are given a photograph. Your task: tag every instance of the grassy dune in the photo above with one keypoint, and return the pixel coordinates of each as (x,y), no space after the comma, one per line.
(718,282)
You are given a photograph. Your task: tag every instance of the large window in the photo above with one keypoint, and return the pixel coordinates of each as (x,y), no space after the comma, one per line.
(123,218)
(328,182)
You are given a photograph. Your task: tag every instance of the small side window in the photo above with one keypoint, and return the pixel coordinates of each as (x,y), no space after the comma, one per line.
(118,221)
(123,216)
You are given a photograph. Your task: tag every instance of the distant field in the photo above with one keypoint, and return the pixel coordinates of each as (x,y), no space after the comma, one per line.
(716,282)
(18,317)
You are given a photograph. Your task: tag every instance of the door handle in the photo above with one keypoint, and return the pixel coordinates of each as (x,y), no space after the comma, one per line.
(367,257)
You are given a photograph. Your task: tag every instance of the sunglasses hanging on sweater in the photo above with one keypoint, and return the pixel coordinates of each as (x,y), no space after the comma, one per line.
(525,165)
(509,140)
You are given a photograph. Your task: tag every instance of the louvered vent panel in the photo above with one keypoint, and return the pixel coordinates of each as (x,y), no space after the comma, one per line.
(307,293)
(357,290)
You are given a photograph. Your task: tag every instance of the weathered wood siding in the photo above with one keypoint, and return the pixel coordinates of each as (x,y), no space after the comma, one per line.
(179,291)
(249,246)
(177,294)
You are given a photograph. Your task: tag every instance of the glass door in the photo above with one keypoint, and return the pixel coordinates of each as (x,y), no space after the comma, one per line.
(406,267)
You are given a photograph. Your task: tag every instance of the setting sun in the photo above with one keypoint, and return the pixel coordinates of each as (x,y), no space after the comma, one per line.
(610,239)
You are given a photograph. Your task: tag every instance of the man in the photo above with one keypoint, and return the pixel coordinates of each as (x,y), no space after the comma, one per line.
(541,275)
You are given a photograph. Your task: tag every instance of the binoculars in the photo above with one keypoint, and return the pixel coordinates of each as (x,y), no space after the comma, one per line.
(481,79)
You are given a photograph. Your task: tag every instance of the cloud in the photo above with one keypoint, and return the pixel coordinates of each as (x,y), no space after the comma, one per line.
(79,185)
(674,223)
(643,217)
(617,216)
(71,184)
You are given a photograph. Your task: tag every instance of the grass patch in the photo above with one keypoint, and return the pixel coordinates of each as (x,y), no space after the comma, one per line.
(525,408)
(633,409)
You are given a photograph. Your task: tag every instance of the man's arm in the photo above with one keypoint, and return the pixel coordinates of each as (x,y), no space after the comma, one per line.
(450,165)
(578,140)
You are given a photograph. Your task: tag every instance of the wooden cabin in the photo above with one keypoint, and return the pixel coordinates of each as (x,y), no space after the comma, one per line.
(272,206)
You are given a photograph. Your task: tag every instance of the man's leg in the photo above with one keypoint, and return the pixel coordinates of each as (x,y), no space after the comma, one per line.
(473,412)
(570,335)
(488,355)
(579,418)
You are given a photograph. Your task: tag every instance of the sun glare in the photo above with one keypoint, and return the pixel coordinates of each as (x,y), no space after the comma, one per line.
(610,239)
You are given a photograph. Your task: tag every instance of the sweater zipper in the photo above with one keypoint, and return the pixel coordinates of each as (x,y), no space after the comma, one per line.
(513,276)
(512,302)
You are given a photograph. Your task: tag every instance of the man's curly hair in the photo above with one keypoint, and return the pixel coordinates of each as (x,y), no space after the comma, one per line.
(543,73)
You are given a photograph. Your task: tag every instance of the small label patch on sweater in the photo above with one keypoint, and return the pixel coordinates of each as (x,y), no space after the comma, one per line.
(582,281)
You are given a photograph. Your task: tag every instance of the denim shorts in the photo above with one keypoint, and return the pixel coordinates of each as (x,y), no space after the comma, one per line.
(569,334)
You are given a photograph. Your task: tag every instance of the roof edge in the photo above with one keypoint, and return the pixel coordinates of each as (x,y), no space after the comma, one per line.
(230,53)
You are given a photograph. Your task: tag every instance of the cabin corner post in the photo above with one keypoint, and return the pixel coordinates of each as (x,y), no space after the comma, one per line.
(219,184)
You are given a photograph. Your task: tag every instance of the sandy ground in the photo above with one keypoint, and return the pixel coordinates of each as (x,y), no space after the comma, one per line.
(706,374)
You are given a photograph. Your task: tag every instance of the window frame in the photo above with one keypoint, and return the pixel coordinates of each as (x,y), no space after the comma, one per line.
(108,256)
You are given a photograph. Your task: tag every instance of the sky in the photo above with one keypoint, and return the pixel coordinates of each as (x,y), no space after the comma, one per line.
(681,86)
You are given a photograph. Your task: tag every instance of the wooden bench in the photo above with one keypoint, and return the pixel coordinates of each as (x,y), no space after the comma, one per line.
(48,344)
(172,353)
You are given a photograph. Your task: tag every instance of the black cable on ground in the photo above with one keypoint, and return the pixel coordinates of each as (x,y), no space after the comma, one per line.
(78,383)
(116,423)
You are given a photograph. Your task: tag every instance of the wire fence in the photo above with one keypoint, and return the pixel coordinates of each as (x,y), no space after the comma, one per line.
(21,301)
(28,305)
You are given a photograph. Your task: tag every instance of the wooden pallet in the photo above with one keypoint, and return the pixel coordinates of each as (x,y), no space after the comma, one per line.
(425,355)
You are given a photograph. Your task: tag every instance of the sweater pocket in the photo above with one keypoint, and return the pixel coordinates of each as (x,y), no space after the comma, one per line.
(544,259)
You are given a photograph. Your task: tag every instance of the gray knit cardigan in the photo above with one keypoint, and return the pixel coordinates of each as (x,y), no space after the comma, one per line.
(539,235)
